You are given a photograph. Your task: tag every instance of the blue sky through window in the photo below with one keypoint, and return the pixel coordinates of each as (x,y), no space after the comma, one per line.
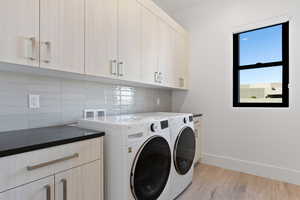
(264,46)
(261,75)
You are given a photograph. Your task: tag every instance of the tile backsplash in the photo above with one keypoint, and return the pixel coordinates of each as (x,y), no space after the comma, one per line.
(63,100)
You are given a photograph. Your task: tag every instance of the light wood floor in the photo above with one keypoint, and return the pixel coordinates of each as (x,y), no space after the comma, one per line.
(213,183)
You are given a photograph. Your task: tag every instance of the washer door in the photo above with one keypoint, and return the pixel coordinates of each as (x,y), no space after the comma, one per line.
(184,150)
(151,169)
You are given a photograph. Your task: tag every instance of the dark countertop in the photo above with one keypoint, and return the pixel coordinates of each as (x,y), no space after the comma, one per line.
(21,141)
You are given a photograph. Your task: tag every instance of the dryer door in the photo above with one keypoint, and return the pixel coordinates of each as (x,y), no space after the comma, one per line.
(184,150)
(151,169)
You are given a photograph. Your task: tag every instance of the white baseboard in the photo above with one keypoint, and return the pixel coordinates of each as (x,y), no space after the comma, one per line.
(255,168)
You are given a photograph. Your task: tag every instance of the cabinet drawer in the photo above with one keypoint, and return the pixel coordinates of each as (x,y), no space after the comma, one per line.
(26,167)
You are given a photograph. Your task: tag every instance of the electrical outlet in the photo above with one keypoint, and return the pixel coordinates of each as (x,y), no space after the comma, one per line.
(158,101)
(34,101)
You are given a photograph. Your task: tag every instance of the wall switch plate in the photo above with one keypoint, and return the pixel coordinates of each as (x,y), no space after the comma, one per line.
(34,101)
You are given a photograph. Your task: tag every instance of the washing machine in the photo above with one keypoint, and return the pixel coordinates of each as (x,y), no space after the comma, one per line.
(183,144)
(137,156)
(184,147)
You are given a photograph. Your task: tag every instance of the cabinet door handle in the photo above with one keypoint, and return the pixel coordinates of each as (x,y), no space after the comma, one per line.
(121,68)
(65,189)
(30,168)
(48,192)
(113,67)
(156,77)
(30,48)
(47,51)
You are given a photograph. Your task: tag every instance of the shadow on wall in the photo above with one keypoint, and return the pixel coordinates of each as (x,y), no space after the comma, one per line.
(178,100)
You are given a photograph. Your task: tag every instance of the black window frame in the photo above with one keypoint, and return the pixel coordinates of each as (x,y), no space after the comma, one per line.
(284,63)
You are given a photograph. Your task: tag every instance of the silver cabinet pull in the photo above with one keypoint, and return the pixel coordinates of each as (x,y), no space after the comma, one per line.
(65,189)
(121,68)
(113,67)
(47,51)
(33,167)
(30,48)
(48,192)
(156,77)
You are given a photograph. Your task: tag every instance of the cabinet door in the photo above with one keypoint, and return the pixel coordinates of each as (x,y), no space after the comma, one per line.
(62,35)
(80,183)
(149,46)
(198,134)
(38,190)
(166,37)
(129,40)
(101,37)
(19,32)
(180,60)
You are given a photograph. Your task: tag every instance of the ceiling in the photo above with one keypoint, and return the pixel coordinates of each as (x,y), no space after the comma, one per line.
(173,6)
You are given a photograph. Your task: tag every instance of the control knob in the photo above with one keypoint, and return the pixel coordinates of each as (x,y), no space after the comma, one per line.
(153,127)
(184,120)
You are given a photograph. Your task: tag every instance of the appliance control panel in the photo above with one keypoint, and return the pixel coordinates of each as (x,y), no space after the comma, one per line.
(164,124)
(156,126)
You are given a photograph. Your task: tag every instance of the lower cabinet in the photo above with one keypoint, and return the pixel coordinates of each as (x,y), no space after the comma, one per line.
(38,190)
(72,171)
(80,183)
(198,124)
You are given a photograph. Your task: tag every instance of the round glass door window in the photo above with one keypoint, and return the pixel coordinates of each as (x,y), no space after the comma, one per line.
(151,169)
(184,150)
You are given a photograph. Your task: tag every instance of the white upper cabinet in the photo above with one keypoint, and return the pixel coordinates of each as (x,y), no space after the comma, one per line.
(62,35)
(181,60)
(19,32)
(131,40)
(173,55)
(165,53)
(101,37)
(129,65)
(149,68)
(113,39)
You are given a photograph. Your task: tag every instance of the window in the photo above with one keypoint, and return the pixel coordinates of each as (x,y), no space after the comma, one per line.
(261,67)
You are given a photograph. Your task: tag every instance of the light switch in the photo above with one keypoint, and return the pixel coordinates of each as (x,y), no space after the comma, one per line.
(34,101)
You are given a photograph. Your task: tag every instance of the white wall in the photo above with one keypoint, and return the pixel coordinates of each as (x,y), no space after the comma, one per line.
(260,141)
